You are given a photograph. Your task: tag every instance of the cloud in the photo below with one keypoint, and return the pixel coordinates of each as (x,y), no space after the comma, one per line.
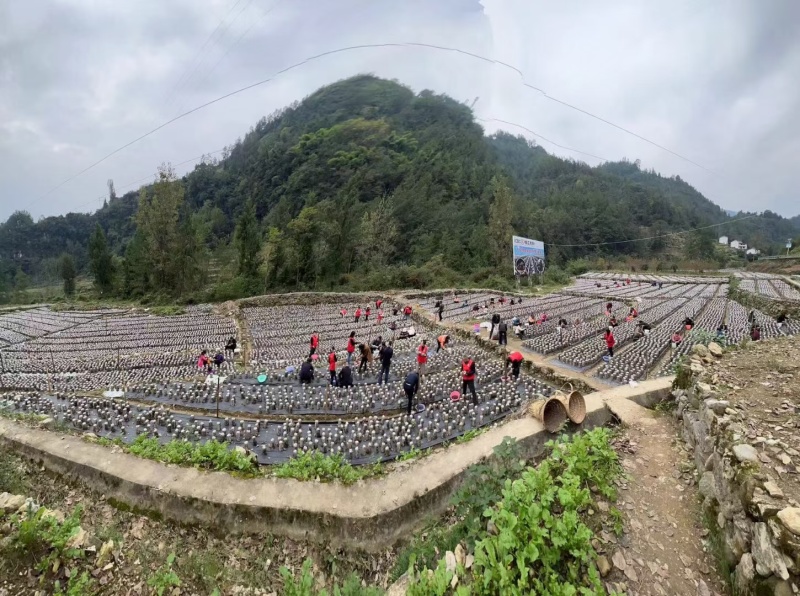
(715,82)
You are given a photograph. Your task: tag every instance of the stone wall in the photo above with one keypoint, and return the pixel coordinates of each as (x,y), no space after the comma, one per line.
(757,530)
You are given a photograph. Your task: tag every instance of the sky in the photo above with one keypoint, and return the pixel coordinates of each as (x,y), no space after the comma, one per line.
(713,81)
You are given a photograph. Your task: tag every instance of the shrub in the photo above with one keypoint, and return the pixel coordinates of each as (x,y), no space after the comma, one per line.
(555,275)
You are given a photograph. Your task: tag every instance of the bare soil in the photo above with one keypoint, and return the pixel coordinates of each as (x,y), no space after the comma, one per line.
(663,550)
(763,382)
(204,560)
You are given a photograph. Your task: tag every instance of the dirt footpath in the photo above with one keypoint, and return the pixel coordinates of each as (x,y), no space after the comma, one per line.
(664,549)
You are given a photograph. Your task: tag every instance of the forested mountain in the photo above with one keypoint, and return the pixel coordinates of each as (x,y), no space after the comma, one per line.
(365,181)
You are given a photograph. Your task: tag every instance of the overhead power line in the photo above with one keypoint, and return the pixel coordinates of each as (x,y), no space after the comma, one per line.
(197,59)
(690,230)
(349,49)
(544,138)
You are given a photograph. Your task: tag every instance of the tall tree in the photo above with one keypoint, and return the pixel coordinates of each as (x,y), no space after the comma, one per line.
(501,211)
(101,262)
(157,220)
(68,274)
(271,256)
(378,234)
(112,194)
(248,241)
(136,267)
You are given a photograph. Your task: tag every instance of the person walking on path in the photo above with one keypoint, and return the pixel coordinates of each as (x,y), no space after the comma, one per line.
(422,357)
(468,379)
(441,342)
(611,341)
(314,343)
(385,356)
(358,313)
(515,359)
(332,365)
(351,347)
(411,387)
(306,372)
(440,311)
(502,334)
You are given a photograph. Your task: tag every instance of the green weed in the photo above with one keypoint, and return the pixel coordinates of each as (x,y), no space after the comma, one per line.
(164,577)
(38,537)
(313,465)
(305,584)
(77,585)
(211,455)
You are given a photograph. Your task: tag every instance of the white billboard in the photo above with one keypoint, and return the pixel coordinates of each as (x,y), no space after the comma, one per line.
(528,256)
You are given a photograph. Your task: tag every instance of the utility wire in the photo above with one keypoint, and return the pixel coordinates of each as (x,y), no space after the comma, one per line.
(544,138)
(198,58)
(235,43)
(725,223)
(349,49)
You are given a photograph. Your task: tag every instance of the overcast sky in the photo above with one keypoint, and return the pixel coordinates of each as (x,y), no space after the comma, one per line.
(716,81)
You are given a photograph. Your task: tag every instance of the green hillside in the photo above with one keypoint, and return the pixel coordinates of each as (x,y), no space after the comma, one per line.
(366,183)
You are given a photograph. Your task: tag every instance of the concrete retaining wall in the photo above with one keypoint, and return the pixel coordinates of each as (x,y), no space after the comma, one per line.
(369,515)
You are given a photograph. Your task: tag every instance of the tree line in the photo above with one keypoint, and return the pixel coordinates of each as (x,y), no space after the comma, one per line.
(365,184)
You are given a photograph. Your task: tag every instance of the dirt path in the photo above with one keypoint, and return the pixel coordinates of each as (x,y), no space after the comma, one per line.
(664,549)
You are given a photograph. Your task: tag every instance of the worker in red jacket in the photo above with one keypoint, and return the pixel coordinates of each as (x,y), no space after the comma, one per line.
(378,303)
(358,314)
(422,357)
(367,312)
(314,343)
(351,347)
(611,341)
(468,378)
(515,359)
(332,365)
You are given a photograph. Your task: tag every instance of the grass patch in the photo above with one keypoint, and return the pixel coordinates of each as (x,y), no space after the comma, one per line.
(325,468)
(211,455)
(12,474)
(38,540)
(164,578)
(305,584)
(717,548)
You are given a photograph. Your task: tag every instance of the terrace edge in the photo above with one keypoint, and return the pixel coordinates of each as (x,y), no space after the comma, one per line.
(370,515)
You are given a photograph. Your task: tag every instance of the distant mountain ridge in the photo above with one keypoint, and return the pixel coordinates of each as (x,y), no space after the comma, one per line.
(366,160)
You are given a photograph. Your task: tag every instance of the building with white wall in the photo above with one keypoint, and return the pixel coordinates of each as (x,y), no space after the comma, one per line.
(723,240)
